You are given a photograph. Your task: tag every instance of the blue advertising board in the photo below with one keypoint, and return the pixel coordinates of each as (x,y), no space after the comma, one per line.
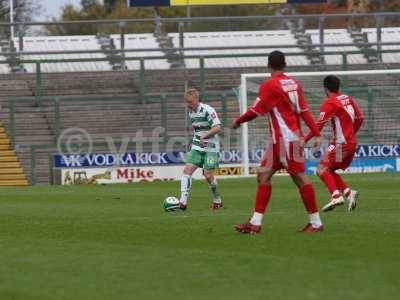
(363,165)
(227,157)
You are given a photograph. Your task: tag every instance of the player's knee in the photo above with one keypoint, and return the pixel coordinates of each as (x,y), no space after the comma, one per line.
(188,170)
(262,178)
(300,179)
(208,176)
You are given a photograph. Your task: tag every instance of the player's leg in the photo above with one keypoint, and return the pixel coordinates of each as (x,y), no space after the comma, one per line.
(341,184)
(193,161)
(269,165)
(213,187)
(211,162)
(294,163)
(186,184)
(347,155)
(326,175)
(307,194)
(327,166)
(263,195)
(349,194)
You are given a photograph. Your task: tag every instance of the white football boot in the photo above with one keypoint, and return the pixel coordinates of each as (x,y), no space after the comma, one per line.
(352,200)
(333,203)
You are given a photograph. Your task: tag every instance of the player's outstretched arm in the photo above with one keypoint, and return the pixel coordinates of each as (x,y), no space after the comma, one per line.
(309,120)
(326,113)
(261,106)
(303,110)
(246,117)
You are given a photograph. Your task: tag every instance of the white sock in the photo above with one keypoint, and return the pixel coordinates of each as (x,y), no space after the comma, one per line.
(315,220)
(213,188)
(186,183)
(256,219)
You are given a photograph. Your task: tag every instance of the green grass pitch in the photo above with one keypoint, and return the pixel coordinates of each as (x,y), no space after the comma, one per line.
(116,242)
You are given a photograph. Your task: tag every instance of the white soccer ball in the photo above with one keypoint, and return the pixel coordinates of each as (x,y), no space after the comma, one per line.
(171,203)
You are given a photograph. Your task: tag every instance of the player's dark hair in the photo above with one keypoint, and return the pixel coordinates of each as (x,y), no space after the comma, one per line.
(332,83)
(276,60)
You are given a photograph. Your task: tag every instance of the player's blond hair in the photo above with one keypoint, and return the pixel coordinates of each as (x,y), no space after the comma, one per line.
(192,92)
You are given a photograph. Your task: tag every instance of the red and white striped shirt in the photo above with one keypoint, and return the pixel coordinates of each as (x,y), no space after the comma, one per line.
(345,115)
(281,98)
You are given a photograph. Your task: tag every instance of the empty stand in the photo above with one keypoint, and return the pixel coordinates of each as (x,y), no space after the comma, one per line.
(61,43)
(389,34)
(142,41)
(235,39)
(337,36)
(196,40)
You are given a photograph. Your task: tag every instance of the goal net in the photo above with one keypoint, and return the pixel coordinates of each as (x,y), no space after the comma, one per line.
(376,91)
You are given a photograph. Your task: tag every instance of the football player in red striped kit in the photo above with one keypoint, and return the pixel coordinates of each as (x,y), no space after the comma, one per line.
(346,119)
(281,101)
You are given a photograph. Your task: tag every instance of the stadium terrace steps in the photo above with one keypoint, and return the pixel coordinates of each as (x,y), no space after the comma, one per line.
(389,34)
(34,140)
(59,84)
(11,172)
(142,41)
(8,159)
(15,182)
(337,36)
(14,85)
(237,38)
(15,176)
(31,128)
(4,141)
(6,153)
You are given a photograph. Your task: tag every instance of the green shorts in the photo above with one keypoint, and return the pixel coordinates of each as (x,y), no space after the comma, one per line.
(202,159)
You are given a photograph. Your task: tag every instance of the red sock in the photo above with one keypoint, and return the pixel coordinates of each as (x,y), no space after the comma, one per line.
(262,198)
(308,196)
(339,182)
(329,181)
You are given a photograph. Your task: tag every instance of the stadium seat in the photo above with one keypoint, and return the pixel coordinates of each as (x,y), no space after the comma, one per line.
(234,39)
(142,41)
(389,34)
(337,36)
(64,43)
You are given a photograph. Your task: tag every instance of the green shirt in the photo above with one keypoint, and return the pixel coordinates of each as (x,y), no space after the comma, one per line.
(203,119)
